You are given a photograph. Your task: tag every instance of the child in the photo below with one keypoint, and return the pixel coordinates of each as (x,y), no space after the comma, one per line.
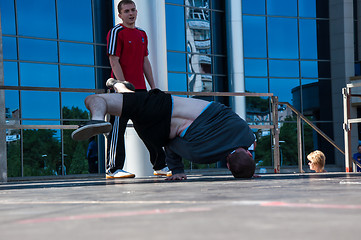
(316,161)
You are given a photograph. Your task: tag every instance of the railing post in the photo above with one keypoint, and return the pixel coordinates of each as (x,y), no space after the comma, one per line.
(276,139)
(347,128)
(299,143)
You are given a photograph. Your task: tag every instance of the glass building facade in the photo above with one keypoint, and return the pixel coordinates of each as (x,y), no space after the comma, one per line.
(57,49)
(51,45)
(287,53)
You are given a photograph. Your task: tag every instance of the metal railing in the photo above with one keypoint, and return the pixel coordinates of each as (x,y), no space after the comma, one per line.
(347,121)
(300,117)
(273,126)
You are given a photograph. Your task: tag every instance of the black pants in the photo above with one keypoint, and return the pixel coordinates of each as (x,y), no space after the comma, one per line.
(116,147)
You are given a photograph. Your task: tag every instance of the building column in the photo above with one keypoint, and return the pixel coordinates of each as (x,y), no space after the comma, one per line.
(342,67)
(235,54)
(3,156)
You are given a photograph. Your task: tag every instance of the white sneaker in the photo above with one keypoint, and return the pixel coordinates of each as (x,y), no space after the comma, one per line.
(163,172)
(119,174)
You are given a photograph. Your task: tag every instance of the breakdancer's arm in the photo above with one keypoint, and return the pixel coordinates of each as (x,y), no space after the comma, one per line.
(175,164)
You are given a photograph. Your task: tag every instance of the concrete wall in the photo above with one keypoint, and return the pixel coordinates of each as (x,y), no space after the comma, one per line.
(342,65)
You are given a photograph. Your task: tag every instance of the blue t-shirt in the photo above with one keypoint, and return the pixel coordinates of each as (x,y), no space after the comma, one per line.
(357,157)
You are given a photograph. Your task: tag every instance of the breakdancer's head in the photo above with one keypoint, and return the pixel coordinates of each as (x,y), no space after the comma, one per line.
(241,163)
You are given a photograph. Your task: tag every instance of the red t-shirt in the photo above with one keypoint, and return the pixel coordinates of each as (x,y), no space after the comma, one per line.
(131,46)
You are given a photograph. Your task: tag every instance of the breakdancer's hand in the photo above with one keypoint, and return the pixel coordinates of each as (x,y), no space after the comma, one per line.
(178,176)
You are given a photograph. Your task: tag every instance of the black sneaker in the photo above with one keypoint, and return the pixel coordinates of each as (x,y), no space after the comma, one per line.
(91,128)
(111,82)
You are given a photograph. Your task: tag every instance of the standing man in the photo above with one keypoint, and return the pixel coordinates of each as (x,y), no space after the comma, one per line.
(127,48)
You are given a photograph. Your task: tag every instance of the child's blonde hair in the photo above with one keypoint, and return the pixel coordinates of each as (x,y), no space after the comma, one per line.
(318,158)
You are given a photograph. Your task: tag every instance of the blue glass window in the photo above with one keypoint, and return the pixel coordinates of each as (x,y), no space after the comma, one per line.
(11,74)
(282,8)
(357,69)
(217,34)
(9,48)
(175,1)
(176,62)
(309,69)
(75,53)
(38,50)
(308,81)
(282,38)
(69,100)
(253,7)
(308,39)
(75,22)
(177,82)
(254,36)
(40,104)
(102,58)
(283,68)
(36,18)
(217,5)
(39,75)
(7,17)
(324,69)
(44,122)
(11,102)
(307,8)
(283,88)
(256,85)
(255,67)
(175,28)
(218,66)
(199,63)
(77,77)
(310,95)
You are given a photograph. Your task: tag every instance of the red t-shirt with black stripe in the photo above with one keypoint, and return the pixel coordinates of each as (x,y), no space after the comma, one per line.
(131,46)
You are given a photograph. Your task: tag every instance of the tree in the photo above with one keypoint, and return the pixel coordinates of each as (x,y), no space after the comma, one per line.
(288,143)
(41,152)
(14,159)
(79,163)
(75,151)
(263,151)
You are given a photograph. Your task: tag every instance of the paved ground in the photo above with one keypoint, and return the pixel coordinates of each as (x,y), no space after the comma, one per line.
(285,206)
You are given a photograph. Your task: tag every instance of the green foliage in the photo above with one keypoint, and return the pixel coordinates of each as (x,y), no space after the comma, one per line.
(79,163)
(288,148)
(263,151)
(74,113)
(259,103)
(42,150)
(288,144)
(75,151)
(14,159)
(189,165)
